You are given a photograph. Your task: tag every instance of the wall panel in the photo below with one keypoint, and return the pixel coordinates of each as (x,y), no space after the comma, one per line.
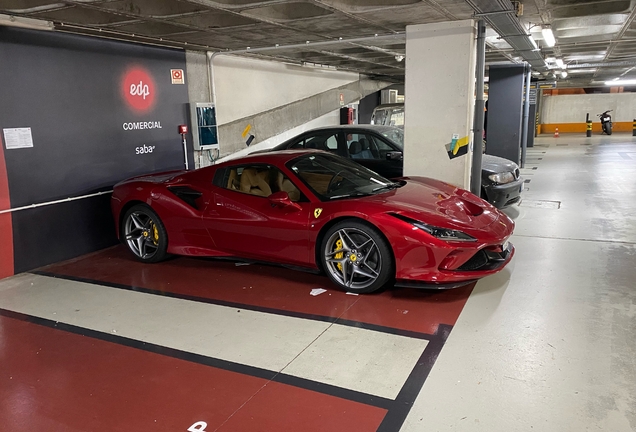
(92,106)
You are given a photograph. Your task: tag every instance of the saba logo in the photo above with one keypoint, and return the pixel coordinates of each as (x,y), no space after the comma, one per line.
(138,89)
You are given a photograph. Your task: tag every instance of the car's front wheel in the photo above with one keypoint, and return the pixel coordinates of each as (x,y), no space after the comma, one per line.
(144,234)
(356,257)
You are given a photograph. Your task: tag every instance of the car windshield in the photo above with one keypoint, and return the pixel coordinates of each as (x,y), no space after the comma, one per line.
(332,177)
(396,135)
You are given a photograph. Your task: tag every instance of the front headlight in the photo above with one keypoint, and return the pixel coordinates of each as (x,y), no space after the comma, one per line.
(443,233)
(502,178)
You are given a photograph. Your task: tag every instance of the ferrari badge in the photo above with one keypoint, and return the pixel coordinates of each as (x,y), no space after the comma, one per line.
(317,212)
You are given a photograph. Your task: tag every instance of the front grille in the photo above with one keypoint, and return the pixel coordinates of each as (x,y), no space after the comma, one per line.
(478,260)
(485,260)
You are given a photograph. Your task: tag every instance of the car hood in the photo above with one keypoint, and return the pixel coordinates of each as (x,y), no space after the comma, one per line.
(496,164)
(438,204)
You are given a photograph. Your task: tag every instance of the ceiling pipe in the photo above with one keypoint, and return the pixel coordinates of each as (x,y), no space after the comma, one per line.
(398,36)
(501,17)
(626,63)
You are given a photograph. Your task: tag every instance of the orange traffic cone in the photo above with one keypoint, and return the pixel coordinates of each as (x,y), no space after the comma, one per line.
(556,132)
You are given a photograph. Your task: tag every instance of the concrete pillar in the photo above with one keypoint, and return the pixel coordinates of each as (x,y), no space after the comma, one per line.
(440,89)
(505,111)
(198,82)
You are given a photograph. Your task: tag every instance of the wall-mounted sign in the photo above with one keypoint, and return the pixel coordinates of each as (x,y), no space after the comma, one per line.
(176,75)
(16,138)
(547,84)
(138,89)
(458,146)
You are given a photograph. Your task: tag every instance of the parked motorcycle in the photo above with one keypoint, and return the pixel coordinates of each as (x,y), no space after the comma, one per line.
(606,122)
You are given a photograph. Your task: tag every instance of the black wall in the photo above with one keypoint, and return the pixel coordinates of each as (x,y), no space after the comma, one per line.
(366,107)
(73,94)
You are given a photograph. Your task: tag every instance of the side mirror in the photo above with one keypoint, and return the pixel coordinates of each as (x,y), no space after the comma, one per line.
(281,200)
(394,155)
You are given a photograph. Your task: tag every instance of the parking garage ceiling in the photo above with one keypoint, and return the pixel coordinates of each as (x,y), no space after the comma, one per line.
(595,39)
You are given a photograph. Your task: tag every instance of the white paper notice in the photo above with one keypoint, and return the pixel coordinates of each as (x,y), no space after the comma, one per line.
(17,138)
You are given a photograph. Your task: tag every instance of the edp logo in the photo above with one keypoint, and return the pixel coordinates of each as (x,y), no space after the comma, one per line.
(140,89)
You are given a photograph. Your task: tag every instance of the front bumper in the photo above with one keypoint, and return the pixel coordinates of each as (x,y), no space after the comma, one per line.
(451,268)
(504,195)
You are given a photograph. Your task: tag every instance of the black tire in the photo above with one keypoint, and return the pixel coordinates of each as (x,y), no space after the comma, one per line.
(143,233)
(363,264)
(607,128)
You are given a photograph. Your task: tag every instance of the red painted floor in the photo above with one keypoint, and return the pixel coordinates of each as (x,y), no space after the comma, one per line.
(52,380)
(272,287)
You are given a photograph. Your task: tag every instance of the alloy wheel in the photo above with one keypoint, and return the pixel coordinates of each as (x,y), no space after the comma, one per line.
(141,235)
(352,258)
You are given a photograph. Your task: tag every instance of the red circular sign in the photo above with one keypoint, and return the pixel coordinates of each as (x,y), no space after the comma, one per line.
(138,89)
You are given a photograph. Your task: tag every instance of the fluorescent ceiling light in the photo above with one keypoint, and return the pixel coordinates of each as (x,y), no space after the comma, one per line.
(560,63)
(550,59)
(30,23)
(548,36)
(621,82)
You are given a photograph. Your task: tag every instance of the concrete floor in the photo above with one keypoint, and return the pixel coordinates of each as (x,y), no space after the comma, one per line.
(548,344)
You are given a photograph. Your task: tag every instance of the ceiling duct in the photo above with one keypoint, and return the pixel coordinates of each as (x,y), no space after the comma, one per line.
(501,17)
(617,64)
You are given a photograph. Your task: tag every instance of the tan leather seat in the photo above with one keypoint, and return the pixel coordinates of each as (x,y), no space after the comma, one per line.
(284,184)
(233,181)
(255,182)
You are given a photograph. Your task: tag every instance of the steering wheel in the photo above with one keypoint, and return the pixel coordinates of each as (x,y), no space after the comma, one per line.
(333,184)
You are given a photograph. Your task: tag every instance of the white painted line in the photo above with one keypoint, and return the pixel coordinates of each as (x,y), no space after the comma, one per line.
(354,358)
(370,362)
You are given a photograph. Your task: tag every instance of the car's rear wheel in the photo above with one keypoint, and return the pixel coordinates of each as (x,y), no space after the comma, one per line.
(144,234)
(356,257)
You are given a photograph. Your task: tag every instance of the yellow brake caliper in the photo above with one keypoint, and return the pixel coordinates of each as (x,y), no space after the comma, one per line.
(155,234)
(339,255)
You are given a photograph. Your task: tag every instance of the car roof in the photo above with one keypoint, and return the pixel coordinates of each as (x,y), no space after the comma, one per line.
(370,127)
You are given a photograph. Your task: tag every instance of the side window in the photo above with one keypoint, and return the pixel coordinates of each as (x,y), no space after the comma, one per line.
(250,179)
(332,143)
(259,180)
(363,146)
(397,117)
(327,141)
(298,145)
(380,148)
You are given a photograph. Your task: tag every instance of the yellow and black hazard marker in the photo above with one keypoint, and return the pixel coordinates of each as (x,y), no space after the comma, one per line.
(457,147)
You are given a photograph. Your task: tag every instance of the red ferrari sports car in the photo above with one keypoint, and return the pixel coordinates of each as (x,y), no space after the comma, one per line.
(318,211)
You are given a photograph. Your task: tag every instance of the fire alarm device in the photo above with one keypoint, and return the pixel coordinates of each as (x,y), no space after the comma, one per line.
(183,129)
